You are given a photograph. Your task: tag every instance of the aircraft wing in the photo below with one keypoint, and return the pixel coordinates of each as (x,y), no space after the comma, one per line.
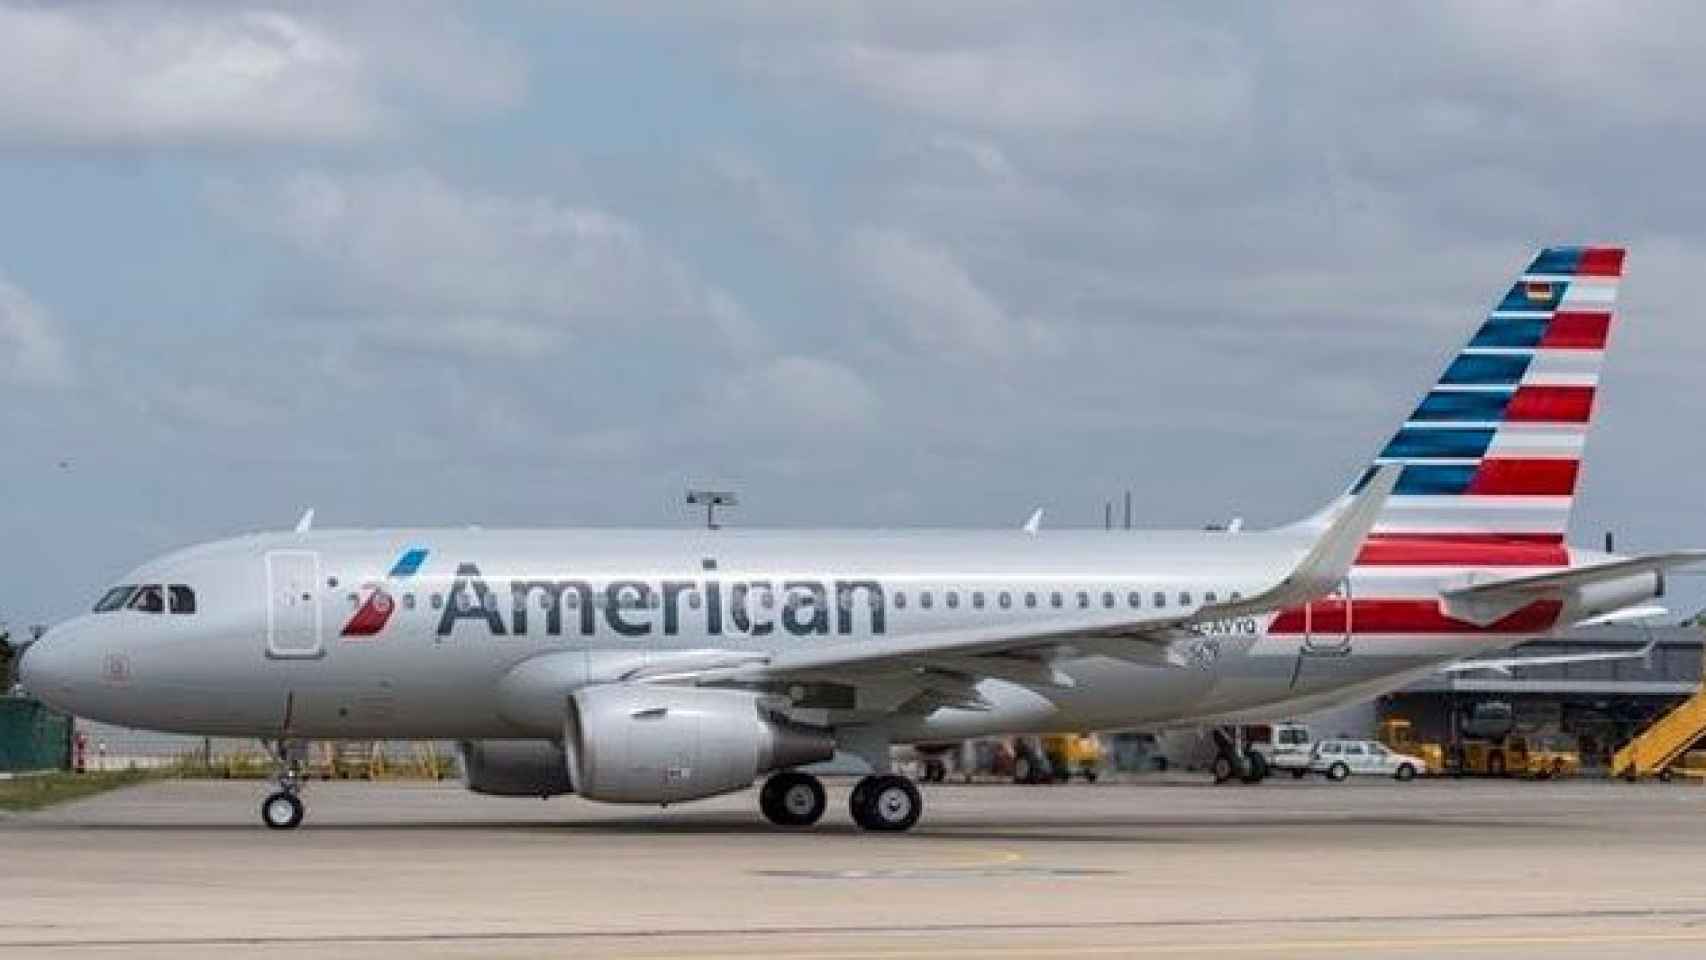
(1156,638)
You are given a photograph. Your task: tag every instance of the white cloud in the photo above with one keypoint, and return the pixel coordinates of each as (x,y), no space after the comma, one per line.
(418,260)
(929,293)
(807,393)
(33,351)
(162,73)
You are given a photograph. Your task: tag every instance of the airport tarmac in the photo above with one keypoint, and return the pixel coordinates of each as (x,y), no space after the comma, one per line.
(1571,869)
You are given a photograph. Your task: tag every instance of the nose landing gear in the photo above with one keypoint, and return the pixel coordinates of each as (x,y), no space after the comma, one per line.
(282,809)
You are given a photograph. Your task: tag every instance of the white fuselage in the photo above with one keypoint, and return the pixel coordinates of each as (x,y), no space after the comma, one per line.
(440,633)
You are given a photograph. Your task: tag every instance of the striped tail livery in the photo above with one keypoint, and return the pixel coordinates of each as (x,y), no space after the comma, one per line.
(1491,455)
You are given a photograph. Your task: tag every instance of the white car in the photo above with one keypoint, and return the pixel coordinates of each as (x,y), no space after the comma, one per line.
(1338,759)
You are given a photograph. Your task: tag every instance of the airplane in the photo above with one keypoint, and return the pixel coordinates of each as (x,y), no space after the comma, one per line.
(661,666)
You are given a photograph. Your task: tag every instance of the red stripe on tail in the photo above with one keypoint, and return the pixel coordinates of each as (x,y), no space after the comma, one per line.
(1464,550)
(1576,331)
(1601,262)
(1510,476)
(1550,405)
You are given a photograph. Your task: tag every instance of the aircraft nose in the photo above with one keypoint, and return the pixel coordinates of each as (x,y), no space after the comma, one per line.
(48,669)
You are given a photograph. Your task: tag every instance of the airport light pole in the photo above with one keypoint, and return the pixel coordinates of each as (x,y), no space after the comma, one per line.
(711,500)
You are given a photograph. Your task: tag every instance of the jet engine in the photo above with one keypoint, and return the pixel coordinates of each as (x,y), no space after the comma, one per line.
(638,743)
(514,768)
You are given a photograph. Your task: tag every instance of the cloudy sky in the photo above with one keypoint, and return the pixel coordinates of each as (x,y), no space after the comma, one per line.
(870,265)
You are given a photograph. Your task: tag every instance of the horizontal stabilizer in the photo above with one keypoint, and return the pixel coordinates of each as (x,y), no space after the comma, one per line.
(1484,603)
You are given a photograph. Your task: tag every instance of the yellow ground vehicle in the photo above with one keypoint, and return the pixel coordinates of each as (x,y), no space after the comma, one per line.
(1541,757)
(1400,735)
(1062,756)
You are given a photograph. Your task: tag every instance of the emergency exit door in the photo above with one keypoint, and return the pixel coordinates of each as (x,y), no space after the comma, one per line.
(293,605)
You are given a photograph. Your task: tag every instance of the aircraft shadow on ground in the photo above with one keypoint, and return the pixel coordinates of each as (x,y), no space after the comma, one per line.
(1140,831)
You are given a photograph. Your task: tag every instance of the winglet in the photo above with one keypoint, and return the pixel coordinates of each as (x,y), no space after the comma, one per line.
(307,522)
(1035,523)
(1330,559)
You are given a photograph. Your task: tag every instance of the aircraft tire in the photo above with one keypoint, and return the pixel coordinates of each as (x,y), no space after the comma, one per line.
(886,804)
(792,799)
(282,811)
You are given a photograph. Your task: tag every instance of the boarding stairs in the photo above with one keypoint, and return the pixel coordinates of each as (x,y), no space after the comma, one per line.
(1654,749)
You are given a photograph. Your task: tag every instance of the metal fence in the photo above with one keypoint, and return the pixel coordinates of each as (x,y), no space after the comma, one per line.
(32,737)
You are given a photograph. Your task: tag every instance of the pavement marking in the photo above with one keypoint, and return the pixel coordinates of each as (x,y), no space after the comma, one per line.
(1273,946)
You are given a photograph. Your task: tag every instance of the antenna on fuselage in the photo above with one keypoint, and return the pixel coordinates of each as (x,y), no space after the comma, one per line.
(307,522)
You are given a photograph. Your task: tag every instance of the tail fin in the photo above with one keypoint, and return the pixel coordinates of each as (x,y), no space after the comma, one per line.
(1492,453)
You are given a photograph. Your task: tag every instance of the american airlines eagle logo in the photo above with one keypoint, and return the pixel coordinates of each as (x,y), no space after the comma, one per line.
(377,604)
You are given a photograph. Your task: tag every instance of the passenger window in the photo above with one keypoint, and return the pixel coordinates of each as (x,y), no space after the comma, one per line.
(355,600)
(1208,597)
(1054,599)
(1006,600)
(693,599)
(148,600)
(977,599)
(1133,601)
(1030,599)
(1160,599)
(114,599)
(1184,598)
(900,600)
(332,583)
(438,601)
(182,597)
(924,599)
(1083,599)
(409,600)
(1108,600)
(953,599)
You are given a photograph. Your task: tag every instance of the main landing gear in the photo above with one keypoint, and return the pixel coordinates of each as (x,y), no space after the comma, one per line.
(886,803)
(283,809)
(792,799)
(889,803)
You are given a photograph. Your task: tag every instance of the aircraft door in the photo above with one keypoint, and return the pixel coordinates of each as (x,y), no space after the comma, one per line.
(293,608)
(1329,623)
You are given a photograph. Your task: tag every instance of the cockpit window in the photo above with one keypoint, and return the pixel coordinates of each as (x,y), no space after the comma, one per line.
(148,599)
(183,598)
(114,599)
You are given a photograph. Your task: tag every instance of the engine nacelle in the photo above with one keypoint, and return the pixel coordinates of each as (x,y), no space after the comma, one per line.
(637,743)
(514,768)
